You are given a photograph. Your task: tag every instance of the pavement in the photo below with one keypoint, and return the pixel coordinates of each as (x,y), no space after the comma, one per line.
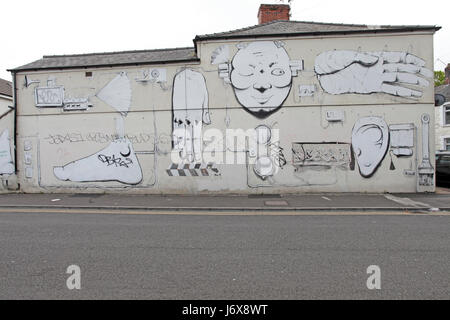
(330,202)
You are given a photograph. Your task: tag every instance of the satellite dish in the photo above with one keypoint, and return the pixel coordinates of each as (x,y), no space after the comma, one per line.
(439,99)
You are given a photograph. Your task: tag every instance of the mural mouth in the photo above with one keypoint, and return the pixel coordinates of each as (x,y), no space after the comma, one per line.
(262,100)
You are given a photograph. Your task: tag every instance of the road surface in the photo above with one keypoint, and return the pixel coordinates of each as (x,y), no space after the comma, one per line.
(188,256)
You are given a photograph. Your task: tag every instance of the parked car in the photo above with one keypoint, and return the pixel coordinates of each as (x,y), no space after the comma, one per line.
(443,168)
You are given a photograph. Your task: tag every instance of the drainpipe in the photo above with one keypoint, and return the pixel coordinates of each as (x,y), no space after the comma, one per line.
(15,119)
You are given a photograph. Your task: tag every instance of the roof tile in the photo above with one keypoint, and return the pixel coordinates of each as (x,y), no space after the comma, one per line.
(273,28)
(111,58)
(5,88)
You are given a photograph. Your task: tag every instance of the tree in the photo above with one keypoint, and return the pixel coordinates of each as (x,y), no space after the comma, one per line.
(439,78)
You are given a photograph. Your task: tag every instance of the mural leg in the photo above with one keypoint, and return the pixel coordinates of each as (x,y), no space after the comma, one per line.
(179,138)
(197,140)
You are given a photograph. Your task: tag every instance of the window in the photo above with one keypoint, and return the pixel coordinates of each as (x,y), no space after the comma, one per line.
(447,115)
(447,143)
(442,160)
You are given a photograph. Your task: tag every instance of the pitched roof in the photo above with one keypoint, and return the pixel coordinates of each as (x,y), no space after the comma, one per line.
(298,28)
(275,28)
(157,56)
(5,88)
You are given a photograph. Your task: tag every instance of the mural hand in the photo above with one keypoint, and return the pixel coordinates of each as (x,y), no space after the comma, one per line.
(360,75)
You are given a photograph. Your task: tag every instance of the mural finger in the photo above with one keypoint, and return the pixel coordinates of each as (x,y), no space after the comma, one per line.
(402,57)
(402,77)
(400,91)
(410,68)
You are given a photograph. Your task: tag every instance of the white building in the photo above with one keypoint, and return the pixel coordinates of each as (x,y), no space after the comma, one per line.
(334,108)
(442,114)
(6,134)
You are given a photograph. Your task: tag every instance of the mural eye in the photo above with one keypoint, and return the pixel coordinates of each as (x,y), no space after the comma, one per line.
(278,72)
(246,72)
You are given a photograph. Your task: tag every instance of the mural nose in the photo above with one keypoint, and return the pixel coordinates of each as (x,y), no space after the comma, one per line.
(261,89)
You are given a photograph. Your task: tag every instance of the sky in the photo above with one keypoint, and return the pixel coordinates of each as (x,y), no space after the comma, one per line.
(31,29)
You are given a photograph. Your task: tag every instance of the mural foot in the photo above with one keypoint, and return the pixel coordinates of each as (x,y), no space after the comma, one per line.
(117,162)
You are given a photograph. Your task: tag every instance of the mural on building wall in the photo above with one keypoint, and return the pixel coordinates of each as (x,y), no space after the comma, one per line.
(49,96)
(76,104)
(220,55)
(306,90)
(266,152)
(54,96)
(6,162)
(370,140)
(28,82)
(325,154)
(190,112)
(344,71)
(402,139)
(117,93)
(116,162)
(426,170)
(157,75)
(193,170)
(261,75)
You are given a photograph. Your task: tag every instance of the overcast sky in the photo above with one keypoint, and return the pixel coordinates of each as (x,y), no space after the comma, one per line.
(31,29)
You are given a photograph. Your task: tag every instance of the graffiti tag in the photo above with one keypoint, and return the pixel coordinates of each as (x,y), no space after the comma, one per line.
(112,160)
(97,137)
(321,154)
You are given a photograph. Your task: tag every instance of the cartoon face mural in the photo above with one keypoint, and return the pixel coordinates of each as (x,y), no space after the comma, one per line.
(370,139)
(261,75)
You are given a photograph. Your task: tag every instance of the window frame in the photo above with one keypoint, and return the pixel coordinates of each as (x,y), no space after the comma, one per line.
(445,110)
(447,143)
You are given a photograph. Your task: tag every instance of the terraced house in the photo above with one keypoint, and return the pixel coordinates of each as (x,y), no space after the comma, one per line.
(6,136)
(282,106)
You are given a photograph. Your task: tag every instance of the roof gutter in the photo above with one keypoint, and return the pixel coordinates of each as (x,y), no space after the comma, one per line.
(5,96)
(14,92)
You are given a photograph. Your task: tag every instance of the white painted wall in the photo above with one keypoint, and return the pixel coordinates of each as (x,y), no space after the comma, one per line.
(442,130)
(6,140)
(50,137)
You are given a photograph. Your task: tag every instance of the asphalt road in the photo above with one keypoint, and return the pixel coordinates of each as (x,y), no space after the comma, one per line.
(224,257)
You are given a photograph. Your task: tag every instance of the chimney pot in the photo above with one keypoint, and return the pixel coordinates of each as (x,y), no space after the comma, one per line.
(271,12)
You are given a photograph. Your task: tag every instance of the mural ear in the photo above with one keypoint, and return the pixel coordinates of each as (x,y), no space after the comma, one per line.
(224,72)
(296,66)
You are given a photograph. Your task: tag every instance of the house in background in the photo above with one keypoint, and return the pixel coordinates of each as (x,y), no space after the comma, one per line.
(325,108)
(6,134)
(442,113)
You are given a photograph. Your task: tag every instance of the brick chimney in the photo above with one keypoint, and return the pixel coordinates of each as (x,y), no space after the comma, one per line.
(447,74)
(270,12)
